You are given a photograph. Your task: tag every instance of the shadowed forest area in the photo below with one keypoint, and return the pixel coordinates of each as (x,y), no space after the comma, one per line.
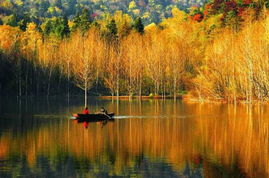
(217,51)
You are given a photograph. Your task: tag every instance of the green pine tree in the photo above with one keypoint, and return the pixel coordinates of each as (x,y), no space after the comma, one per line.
(12,21)
(112,29)
(48,27)
(66,29)
(138,25)
(85,20)
(82,21)
(58,27)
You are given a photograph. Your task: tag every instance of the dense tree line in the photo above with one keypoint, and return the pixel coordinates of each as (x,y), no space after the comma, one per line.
(37,11)
(213,53)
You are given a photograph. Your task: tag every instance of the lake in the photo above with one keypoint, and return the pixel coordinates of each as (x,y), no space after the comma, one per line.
(150,138)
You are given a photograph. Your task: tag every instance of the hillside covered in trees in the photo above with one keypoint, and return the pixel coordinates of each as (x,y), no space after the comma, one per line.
(211,52)
(38,10)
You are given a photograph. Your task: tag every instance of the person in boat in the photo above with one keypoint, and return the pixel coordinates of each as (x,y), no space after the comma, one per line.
(103,110)
(86,111)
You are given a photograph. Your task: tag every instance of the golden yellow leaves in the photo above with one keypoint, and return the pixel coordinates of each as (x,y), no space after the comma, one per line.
(151,27)
(267,29)
(180,15)
(132,5)
(8,37)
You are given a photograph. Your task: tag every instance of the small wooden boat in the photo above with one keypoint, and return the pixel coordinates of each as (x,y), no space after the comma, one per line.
(93,117)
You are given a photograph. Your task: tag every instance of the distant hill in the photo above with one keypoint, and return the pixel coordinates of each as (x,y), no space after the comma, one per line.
(37,10)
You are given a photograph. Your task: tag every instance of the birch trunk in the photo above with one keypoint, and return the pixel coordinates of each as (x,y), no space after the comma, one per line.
(175,83)
(85,93)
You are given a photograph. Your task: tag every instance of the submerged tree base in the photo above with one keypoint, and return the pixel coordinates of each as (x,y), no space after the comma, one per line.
(139,97)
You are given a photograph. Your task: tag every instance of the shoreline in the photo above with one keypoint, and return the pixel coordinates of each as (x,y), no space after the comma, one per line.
(139,97)
(185,98)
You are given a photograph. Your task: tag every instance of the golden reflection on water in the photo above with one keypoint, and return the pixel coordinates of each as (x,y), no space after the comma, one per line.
(214,136)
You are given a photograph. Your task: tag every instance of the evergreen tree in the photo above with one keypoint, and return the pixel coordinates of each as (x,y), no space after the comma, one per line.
(12,21)
(48,27)
(85,20)
(138,25)
(66,29)
(1,22)
(82,21)
(112,29)
(58,27)
(23,22)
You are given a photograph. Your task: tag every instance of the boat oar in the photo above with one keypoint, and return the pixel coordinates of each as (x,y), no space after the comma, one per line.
(107,116)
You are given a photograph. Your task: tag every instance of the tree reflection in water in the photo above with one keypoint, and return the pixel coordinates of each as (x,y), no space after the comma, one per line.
(211,140)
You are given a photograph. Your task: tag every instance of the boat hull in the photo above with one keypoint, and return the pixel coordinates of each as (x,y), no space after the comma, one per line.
(93,117)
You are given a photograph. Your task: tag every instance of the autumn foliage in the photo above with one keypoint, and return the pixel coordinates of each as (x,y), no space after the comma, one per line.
(203,56)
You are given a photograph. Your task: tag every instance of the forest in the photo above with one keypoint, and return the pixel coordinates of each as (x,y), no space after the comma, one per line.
(151,11)
(216,51)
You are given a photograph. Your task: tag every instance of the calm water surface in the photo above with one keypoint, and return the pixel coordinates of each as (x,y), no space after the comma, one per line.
(147,139)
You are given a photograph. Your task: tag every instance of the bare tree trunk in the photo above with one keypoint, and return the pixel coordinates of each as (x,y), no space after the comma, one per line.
(234,97)
(26,81)
(250,77)
(175,83)
(158,88)
(39,79)
(140,88)
(130,96)
(37,84)
(118,93)
(68,78)
(20,79)
(20,85)
(48,89)
(59,83)
(164,90)
(155,88)
(85,93)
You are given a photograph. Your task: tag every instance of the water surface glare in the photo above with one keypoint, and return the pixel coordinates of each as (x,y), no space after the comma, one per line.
(152,138)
